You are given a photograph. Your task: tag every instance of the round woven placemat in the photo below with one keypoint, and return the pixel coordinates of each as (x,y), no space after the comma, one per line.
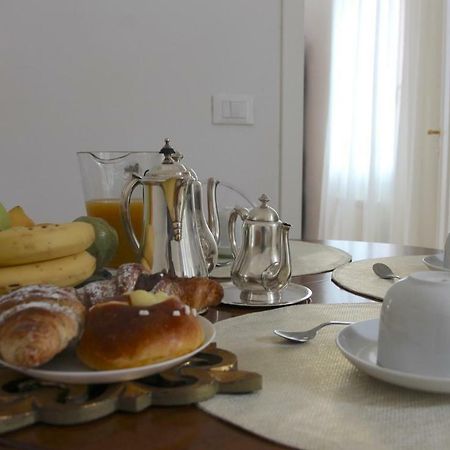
(358,276)
(306,258)
(313,398)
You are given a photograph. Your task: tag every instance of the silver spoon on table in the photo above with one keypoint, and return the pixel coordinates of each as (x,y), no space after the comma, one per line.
(307,335)
(384,271)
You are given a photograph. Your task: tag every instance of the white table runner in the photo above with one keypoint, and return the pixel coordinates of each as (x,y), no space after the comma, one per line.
(313,398)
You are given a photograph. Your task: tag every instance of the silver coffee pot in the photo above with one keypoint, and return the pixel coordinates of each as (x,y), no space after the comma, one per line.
(262,265)
(176,237)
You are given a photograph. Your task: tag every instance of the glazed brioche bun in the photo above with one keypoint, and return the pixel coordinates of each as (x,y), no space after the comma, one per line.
(118,335)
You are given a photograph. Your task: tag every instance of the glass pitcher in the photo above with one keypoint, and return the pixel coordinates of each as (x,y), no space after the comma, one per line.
(104,174)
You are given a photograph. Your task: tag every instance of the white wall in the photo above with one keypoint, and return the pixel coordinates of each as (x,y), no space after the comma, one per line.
(112,74)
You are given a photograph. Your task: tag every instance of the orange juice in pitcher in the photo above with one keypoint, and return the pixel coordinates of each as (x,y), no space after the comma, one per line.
(103,175)
(109,209)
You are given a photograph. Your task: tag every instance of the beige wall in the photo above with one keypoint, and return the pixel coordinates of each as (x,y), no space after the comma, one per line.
(317,65)
(112,74)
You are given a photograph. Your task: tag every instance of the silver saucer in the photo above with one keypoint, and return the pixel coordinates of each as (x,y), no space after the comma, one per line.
(292,293)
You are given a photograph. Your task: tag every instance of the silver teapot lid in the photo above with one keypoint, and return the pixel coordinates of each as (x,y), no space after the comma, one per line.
(171,166)
(263,212)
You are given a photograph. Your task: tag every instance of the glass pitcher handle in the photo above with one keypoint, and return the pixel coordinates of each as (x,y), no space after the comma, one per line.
(127,192)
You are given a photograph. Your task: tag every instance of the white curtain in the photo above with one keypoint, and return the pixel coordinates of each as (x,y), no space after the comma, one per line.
(381,167)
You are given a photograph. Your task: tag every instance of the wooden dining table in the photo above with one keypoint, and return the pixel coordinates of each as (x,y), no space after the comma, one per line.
(188,427)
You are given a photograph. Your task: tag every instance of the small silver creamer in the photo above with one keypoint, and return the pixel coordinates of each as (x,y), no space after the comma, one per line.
(262,266)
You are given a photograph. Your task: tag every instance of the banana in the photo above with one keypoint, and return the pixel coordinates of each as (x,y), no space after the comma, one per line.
(66,271)
(24,245)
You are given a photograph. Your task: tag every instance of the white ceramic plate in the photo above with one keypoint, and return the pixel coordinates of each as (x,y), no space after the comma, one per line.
(66,367)
(435,262)
(359,344)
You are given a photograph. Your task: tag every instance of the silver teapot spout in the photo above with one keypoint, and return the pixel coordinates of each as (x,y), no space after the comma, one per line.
(213,214)
(207,238)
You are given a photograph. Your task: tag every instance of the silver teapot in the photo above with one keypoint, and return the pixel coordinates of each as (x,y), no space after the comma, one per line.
(176,237)
(262,265)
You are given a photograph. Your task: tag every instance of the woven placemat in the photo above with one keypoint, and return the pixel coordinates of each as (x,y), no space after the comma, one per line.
(358,276)
(306,258)
(313,398)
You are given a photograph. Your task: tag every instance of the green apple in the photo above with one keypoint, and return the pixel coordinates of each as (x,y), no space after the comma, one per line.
(5,221)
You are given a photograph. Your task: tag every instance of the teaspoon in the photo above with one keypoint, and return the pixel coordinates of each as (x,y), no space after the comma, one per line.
(307,335)
(384,271)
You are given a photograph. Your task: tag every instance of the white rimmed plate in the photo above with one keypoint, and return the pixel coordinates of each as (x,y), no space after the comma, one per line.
(67,368)
(359,344)
(436,262)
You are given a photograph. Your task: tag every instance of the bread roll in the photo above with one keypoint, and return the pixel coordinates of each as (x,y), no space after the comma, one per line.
(119,336)
(37,322)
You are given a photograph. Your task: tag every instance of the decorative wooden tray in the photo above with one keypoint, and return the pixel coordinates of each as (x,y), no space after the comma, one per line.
(25,401)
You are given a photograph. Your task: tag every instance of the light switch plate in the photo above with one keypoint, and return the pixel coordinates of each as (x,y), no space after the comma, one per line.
(232,109)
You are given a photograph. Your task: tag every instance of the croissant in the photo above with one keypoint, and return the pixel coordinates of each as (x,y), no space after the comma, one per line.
(37,322)
(197,292)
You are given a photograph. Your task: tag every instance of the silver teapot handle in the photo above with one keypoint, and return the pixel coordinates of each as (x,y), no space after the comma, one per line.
(127,192)
(237,212)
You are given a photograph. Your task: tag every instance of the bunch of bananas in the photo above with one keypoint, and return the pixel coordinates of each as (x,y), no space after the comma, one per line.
(43,254)
(46,254)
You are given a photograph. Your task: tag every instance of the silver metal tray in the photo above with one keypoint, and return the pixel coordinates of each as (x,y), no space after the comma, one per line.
(292,293)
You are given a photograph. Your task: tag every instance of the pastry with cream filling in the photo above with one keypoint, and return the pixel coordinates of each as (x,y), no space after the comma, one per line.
(124,333)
